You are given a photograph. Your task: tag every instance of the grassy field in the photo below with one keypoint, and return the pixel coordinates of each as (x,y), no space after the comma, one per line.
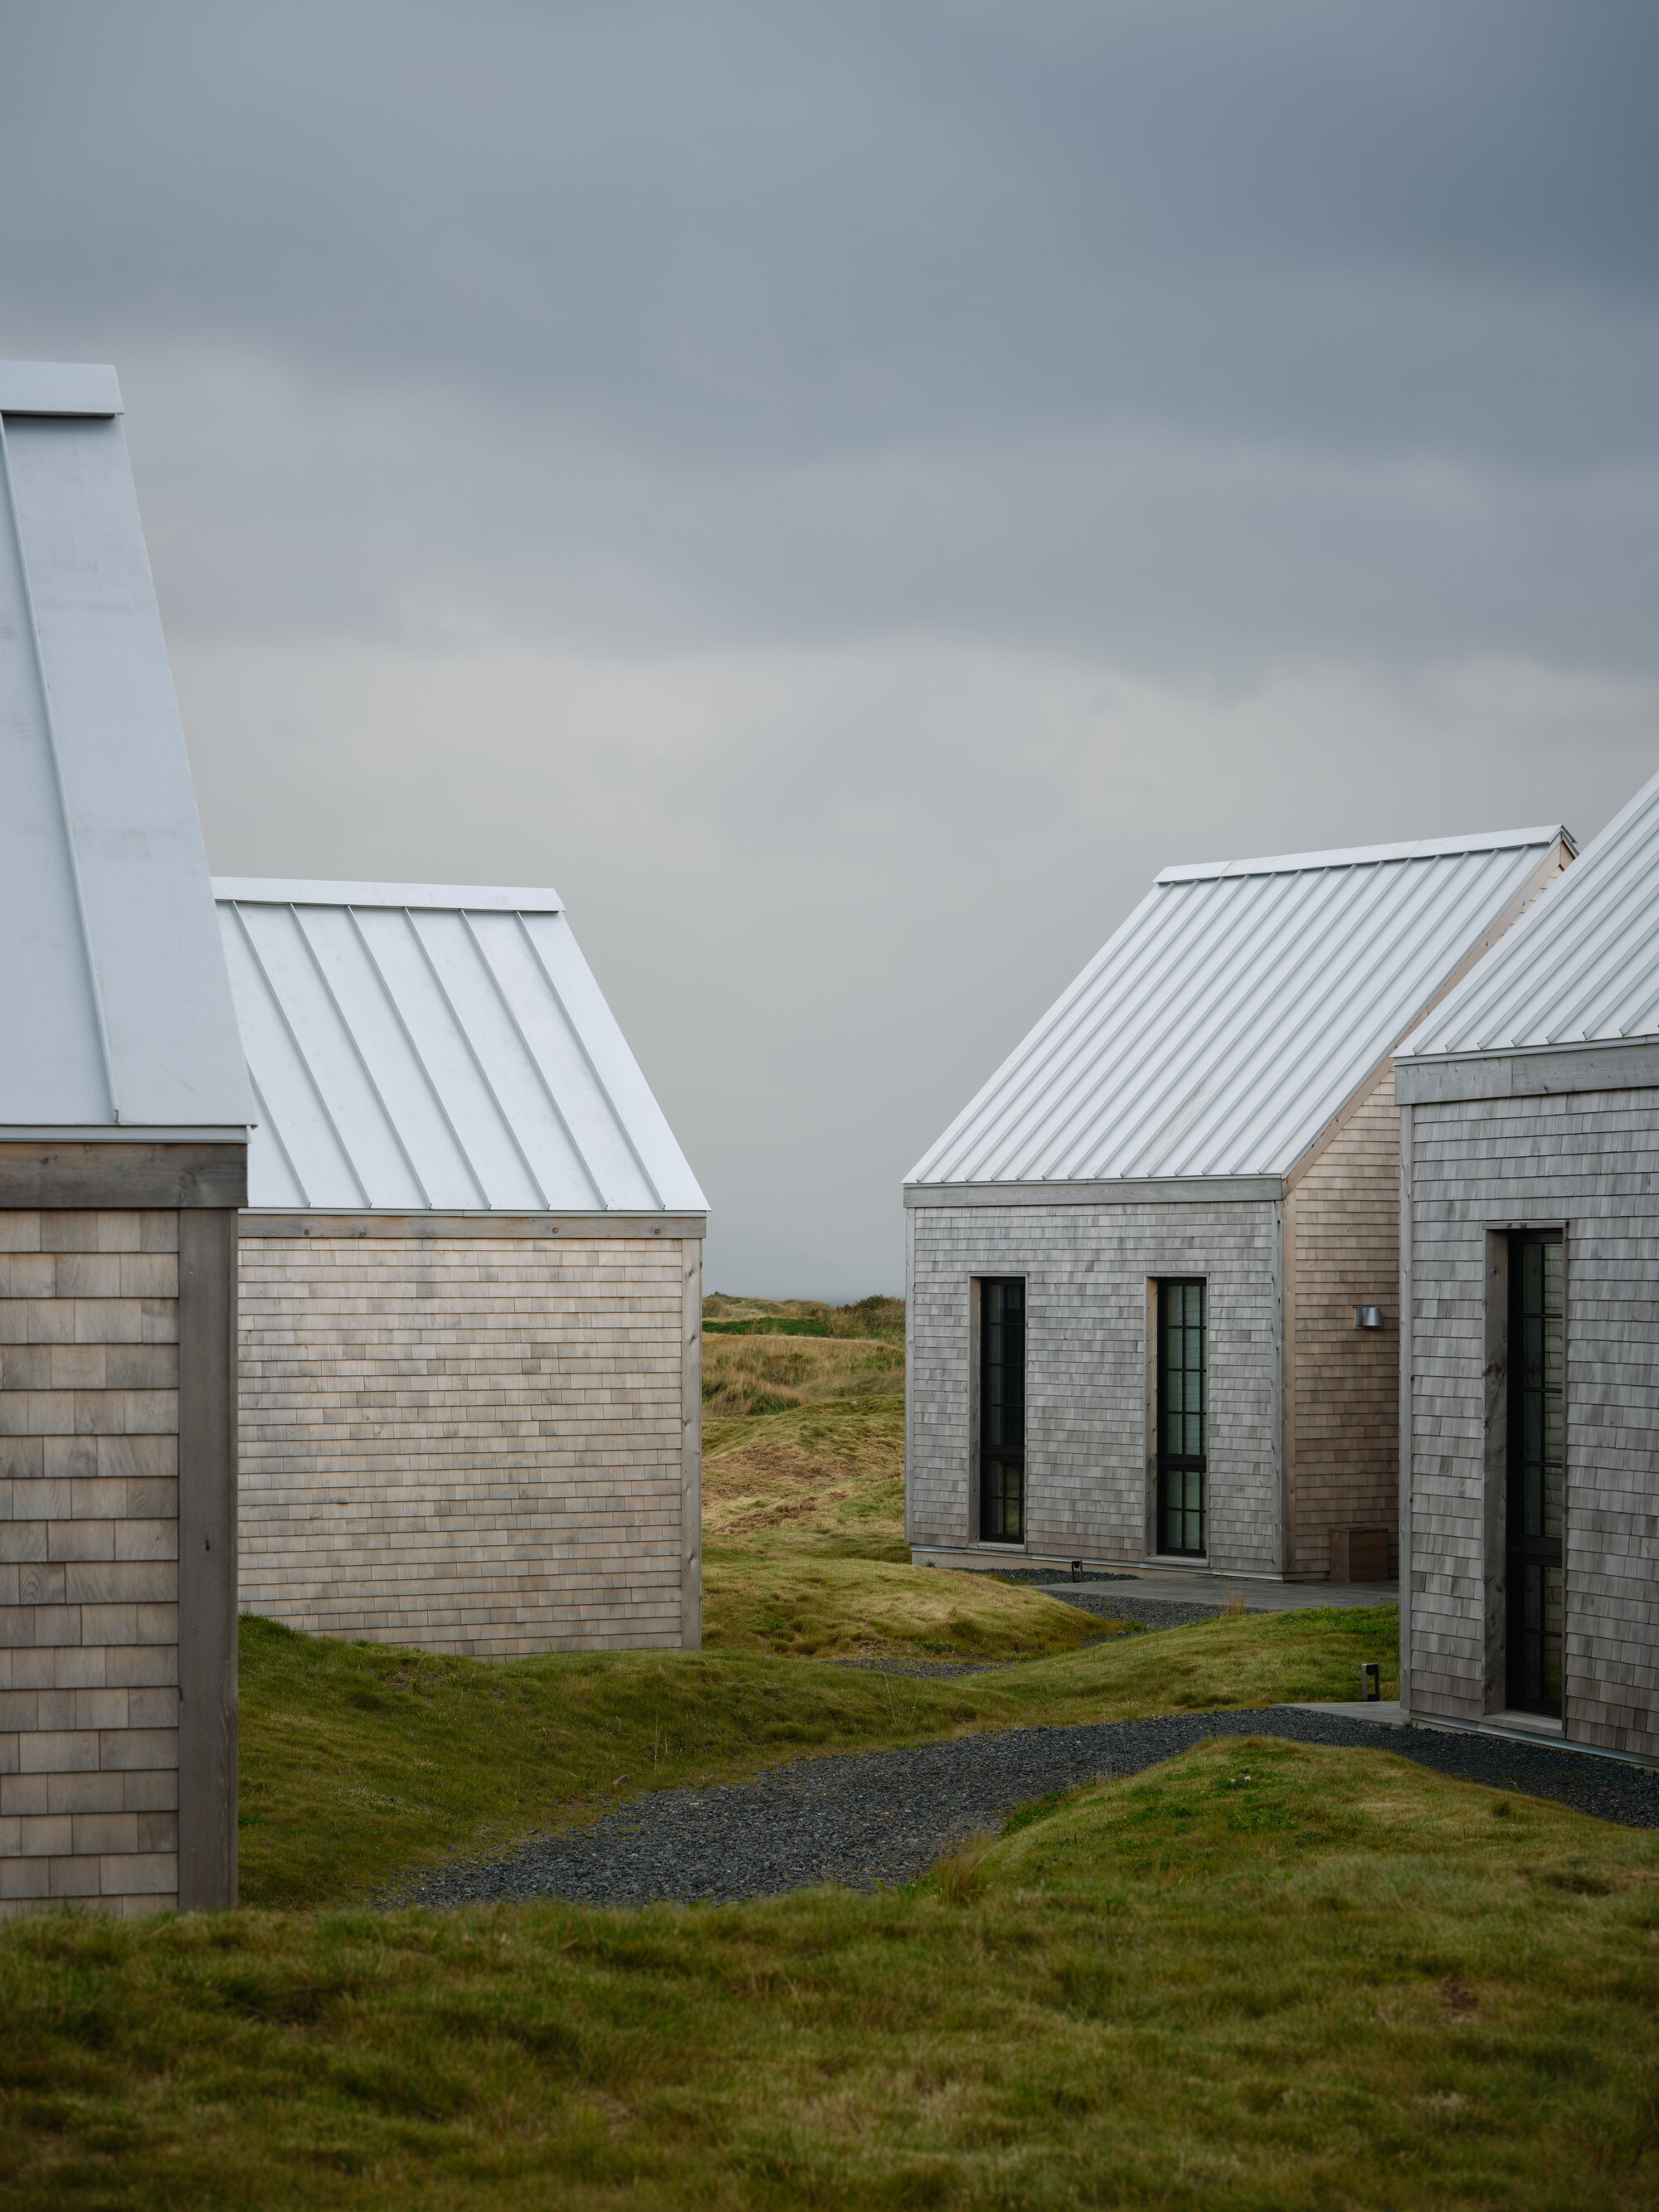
(803,1550)
(1265,1976)
(1313,1978)
(360,1762)
(755,1361)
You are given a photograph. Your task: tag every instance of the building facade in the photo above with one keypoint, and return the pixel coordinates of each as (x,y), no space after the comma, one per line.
(470,1283)
(1530,1492)
(124,1122)
(1151,1268)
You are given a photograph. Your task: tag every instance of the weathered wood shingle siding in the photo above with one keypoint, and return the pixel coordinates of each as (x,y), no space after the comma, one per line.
(473,1444)
(1589,1161)
(1086,1270)
(1343,1382)
(88,1559)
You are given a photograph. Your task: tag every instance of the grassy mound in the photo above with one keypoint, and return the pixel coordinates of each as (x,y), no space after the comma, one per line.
(1266,1975)
(820,1608)
(746,1376)
(825,1479)
(804,1551)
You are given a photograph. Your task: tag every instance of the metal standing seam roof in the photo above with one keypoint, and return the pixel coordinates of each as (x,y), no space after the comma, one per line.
(115,1013)
(1580,967)
(422,1047)
(1236,1011)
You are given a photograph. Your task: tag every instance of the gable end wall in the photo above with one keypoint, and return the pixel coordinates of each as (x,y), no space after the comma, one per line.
(1086,1269)
(475,1445)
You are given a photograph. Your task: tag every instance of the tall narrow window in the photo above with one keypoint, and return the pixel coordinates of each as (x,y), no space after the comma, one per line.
(1002,1410)
(1534,1474)
(1182,1418)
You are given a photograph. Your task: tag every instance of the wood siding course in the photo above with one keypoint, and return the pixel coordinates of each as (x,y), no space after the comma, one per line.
(1086,1269)
(473,1444)
(1342,1383)
(88,1559)
(1587,1160)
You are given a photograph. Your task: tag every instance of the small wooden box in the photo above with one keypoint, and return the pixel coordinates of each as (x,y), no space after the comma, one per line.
(1360,1555)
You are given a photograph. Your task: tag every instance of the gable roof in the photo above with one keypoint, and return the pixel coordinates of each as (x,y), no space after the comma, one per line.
(425,1047)
(1237,1010)
(114,1006)
(1581,967)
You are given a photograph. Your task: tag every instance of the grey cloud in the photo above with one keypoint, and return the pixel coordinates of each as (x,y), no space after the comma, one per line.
(778,228)
(848,490)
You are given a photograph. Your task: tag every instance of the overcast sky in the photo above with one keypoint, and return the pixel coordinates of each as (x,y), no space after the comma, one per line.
(847,492)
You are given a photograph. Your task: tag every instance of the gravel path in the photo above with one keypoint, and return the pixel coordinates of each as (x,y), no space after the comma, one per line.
(1150,1612)
(1045,1577)
(882,1817)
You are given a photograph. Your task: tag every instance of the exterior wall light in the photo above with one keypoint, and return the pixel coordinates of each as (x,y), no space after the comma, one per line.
(1368,1316)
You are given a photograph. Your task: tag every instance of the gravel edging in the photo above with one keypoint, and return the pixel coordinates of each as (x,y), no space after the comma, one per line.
(874,1820)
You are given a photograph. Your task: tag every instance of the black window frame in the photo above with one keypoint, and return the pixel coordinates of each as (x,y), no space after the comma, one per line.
(1535,1446)
(1001,1470)
(1181,1473)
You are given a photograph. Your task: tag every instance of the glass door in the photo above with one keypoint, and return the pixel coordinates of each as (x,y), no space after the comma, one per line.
(1002,1410)
(1536,1468)
(1182,1418)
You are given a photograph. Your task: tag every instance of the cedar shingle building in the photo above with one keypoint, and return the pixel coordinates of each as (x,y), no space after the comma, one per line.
(1529,1262)
(124,1114)
(471,1282)
(1151,1268)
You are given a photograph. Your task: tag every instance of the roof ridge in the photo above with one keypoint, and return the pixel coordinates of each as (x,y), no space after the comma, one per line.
(1353,856)
(474,898)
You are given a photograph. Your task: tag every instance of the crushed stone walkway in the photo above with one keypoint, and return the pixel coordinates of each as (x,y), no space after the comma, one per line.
(878,1818)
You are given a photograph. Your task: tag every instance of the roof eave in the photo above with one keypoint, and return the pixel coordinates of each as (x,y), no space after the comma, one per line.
(1111,1190)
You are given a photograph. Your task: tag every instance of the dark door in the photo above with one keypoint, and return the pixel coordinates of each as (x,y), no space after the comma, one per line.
(1182,1417)
(1002,1410)
(1536,1473)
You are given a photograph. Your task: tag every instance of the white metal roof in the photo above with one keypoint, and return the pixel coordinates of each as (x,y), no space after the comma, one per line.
(415,1047)
(1581,967)
(1235,1012)
(114,1008)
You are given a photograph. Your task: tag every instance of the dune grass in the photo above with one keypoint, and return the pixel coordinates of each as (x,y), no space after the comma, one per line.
(827,1479)
(1267,1975)
(361,1763)
(876,1316)
(854,1353)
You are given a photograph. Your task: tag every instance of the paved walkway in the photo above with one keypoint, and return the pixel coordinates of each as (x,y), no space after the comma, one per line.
(1173,1586)
(1184,1586)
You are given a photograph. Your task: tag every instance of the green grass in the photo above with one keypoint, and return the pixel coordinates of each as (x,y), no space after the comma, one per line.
(767,1325)
(804,1551)
(762,1356)
(361,1762)
(809,1607)
(749,1375)
(826,1479)
(1267,1978)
